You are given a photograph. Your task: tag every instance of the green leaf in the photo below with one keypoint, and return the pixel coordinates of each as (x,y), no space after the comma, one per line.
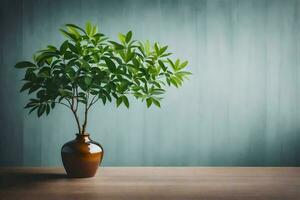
(41,110)
(34,100)
(26,86)
(128,36)
(70,72)
(177,62)
(88,80)
(47,109)
(41,58)
(172,64)
(88,28)
(44,72)
(73,48)
(166,54)
(125,100)
(84,64)
(178,80)
(117,46)
(162,50)
(40,94)
(63,47)
(147,47)
(68,35)
(122,38)
(103,98)
(34,88)
(55,62)
(156,102)
(129,56)
(94,30)
(110,64)
(69,55)
(77,27)
(162,65)
(25,64)
(141,48)
(174,82)
(30,104)
(32,109)
(149,102)
(65,93)
(108,97)
(183,65)
(74,32)
(49,60)
(156,48)
(158,91)
(183,74)
(136,63)
(114,95)
(119,101)
(94,92)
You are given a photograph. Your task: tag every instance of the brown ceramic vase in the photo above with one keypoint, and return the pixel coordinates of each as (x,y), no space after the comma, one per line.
(81,157)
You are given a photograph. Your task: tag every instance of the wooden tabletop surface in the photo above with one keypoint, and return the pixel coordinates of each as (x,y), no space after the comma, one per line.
(207,183)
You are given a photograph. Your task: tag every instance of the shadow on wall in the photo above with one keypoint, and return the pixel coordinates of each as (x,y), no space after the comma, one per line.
(11,116)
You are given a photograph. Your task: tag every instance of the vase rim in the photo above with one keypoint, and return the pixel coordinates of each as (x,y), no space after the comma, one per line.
(85,134)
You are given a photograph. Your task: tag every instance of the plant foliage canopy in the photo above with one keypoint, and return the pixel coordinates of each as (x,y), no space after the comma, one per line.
(88,67)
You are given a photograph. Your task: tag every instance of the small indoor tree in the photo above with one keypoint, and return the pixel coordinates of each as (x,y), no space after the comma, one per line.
(88,67)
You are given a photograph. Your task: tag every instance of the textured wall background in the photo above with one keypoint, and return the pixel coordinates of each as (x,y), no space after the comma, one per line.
(241,106)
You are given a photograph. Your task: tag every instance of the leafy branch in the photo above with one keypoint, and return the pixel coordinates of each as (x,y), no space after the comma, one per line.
(88,67)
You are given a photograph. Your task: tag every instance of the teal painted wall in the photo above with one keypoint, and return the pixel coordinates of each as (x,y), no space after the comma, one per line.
(241,107)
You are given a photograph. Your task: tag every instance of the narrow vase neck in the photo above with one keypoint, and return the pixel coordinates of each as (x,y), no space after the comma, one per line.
(84,137)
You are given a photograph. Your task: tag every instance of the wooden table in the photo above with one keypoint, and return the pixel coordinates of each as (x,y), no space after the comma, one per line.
(205,183)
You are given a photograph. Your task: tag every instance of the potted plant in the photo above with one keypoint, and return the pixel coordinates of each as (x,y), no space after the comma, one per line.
(88,67)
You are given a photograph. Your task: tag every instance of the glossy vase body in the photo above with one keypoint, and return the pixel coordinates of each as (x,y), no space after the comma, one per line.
(81,157)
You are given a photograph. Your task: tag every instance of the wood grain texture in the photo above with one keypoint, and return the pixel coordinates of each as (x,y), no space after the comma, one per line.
(240,107)
(157,183)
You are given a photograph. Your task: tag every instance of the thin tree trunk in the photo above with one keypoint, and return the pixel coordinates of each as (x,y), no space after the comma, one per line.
(85,120)
(74,107)
(85,114)
(77,121)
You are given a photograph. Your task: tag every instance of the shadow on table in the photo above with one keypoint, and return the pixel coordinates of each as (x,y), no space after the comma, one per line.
(21,180)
